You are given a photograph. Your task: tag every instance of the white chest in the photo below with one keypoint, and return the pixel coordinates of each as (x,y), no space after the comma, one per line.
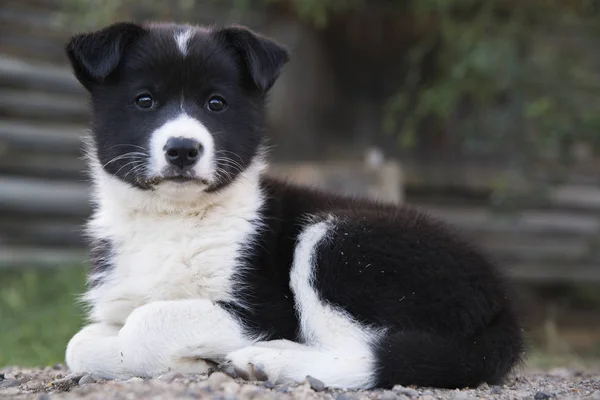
(168,257)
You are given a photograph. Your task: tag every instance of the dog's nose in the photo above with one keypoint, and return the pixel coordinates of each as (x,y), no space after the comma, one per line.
(182,152)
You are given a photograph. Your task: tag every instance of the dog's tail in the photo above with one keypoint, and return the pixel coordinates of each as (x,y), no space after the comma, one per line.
(428,359)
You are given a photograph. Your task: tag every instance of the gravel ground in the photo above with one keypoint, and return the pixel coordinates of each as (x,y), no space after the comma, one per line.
(56,383)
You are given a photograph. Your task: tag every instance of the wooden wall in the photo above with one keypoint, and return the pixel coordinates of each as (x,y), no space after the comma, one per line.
(44,195)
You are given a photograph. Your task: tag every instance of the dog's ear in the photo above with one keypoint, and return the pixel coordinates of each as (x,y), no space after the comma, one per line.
(96,54)
(263,57)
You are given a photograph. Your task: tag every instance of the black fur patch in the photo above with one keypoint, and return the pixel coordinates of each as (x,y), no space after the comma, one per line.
(101,253)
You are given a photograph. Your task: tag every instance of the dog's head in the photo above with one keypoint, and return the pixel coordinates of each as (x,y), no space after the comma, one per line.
(176,106)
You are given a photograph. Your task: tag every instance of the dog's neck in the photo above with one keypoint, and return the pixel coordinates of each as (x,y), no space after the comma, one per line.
(111,195)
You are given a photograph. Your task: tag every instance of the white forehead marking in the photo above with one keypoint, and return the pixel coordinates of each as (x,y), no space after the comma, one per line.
(182,38)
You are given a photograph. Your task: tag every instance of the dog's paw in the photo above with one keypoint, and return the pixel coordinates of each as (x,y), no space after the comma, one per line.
(259,363)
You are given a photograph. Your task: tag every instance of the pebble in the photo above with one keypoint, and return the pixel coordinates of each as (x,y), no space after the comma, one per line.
(496,390)
(541,396)
(282,389)
(249,392)
(231,387)
(135,379)
(11,391)
(218,379)
(34,386)
(388,395)
(269,385)
(170,376)
(346,396)
(8,383)
(228,370)
(86,379)
(405,391)
(1,377)
(74,376)
(315,384)
(461,396)
(43,396)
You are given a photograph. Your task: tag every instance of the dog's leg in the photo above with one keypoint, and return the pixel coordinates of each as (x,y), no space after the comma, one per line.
(158,337)
(337,350)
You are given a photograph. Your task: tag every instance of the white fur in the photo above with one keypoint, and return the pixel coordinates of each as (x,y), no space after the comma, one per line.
(167,248)
(176,251)
(186,127)
(157,337)
(337,349)
(182,39)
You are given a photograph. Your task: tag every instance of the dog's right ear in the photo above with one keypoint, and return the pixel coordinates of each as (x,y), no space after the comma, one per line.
(96,54)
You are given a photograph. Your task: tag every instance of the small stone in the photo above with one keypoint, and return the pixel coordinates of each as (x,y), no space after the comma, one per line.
(57,367)
(218,379)
(43,396)
(346,396)
(541,396)
(269,385)
(405,391)
(135,379)
(388,395)
(86,379)
(228,370)
(170,376)
(249,392)
(230,387)
(11,391)
(282,389)
(428,392)
(34,385)
(8,383)
(74,376)
(496,390)
(458,395)
(315,384)
(1,377)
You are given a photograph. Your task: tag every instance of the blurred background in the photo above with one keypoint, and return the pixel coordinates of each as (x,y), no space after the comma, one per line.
(483,112)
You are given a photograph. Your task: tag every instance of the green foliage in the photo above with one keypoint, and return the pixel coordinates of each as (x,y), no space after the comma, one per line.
(514,66)
(38,314)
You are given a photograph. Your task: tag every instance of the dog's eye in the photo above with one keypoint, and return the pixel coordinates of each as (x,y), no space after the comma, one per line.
(144,101)
(216,104)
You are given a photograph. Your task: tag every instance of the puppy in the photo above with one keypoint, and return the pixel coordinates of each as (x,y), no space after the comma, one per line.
(197,256)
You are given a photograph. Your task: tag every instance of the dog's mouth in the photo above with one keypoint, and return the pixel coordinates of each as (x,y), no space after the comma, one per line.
(179,179)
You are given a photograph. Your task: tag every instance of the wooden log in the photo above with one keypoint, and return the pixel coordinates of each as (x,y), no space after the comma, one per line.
(42,106)
(42,197)
(41,138)
(541,222)
(41,232)
(15,73)
(48,166)
(383,182)
(38,257)
(540,273)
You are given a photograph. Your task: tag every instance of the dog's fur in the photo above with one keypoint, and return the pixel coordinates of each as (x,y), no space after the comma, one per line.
(217,262)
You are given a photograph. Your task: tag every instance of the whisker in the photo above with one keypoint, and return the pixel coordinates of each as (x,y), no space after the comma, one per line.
(126,155)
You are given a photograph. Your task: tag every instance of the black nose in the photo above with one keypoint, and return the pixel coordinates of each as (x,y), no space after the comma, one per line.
(182,152)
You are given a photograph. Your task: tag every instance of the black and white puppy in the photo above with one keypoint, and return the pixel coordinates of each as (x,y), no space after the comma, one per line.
(198,256)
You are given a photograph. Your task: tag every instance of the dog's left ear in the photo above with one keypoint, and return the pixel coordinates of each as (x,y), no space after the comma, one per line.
(263,57)
(95,55)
